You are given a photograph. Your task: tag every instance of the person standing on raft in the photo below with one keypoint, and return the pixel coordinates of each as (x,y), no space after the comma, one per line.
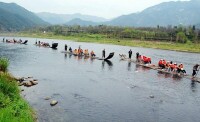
(103,53)
(130,53)
(195,68)
(65,47)
(137,56)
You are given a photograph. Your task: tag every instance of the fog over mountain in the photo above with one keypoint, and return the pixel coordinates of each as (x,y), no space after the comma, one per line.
(64,18)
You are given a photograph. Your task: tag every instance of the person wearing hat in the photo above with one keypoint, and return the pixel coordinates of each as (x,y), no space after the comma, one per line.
(195,68)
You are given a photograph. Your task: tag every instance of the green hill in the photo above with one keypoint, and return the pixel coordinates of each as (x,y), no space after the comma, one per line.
(14,17)
(80,22)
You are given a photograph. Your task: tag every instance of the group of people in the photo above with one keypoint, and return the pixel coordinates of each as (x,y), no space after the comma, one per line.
(12,41)
(42,44)
(80,51)
(144,59)
(170,66)
(140,58)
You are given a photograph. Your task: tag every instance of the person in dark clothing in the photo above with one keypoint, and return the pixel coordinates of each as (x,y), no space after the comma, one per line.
(70,49)
(195,68)
(3,39)
(65,47)
(103,53)
(130,53)
(137,56)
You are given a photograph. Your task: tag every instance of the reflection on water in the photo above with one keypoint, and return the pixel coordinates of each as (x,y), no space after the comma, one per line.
(129,65)
(108,62)
(193,85)
(141,68)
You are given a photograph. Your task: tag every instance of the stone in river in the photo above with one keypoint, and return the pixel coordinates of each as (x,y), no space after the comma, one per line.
(53,102)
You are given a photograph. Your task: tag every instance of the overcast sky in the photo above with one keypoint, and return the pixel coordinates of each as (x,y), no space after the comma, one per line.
(102,8)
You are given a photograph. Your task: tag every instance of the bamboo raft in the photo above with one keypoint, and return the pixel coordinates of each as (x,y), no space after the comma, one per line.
(154,67)
(93,57)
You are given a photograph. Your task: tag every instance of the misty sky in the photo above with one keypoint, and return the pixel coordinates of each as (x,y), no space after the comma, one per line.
(102,8)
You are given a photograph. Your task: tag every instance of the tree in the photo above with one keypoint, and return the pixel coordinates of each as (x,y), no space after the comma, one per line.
(181,37)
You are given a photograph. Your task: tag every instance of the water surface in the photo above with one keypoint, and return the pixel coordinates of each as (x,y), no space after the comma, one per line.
(93,90)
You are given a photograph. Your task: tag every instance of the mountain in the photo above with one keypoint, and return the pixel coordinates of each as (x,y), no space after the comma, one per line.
(167,13)
(15,17)
(64,18)
(81,22)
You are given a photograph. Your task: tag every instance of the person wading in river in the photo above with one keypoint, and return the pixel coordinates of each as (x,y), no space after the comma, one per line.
(130,53)
(195,68)
(103,53)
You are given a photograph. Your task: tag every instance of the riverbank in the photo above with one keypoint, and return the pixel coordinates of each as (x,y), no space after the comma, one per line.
(95,38)
(13,108)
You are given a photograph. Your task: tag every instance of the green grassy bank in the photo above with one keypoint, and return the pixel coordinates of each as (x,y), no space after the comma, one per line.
(96,38)
(13,108)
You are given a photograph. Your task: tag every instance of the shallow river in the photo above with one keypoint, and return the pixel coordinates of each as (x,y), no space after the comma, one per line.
(97,91)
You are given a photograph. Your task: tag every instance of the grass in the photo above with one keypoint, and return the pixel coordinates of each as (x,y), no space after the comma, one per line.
(4,64)
(97,38)
(13,108)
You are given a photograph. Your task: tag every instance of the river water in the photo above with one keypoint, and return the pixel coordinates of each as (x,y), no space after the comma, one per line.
(97,91)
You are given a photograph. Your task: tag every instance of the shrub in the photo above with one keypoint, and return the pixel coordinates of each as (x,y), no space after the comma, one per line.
(4,64)
(12,106)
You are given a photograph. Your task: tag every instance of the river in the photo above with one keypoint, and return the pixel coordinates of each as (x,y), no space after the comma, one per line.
(97,91)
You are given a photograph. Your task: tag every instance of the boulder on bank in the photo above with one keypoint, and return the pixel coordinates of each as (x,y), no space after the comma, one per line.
(21,84)
(28,82)
(20,79)
(34,82)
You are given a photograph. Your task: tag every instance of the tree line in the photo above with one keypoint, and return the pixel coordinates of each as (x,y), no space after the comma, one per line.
(179,34)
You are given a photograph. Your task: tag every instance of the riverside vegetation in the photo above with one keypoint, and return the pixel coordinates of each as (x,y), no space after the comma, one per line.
(178,38)
(13,108)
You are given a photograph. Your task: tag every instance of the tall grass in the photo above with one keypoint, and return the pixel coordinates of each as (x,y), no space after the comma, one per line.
(4,64)
(12,107)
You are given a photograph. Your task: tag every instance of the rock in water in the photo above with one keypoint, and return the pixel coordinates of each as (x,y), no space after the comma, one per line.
(53,102)
(47,98)
(151,96)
